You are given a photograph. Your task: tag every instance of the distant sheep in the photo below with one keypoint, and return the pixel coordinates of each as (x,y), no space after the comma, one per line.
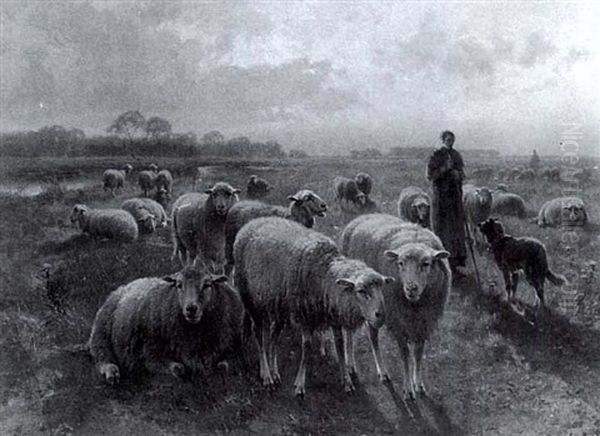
(526,175)
(477,203)
(164,179)
(482,173)
(416,259)
(551,174)
(514,174)
(115,179)
(563,211)
(286,271)
(506,203)
(347,194)
(414,205)
(171,325)
(364,183)
(148,213)
(257,187)
(198,225)
(147,181)
(304,206)
(114,224)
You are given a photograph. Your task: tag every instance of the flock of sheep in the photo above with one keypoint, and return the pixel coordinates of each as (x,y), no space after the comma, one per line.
(253,268)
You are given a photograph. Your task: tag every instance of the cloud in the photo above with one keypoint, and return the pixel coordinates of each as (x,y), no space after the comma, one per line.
(536,50)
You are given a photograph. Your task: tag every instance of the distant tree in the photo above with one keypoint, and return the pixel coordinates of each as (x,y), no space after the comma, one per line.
(213,137)
(297,154)
(76,135)
(157,127)
(128,125)
(54,140)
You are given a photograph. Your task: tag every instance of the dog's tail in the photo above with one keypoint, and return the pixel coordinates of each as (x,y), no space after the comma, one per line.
(556,279)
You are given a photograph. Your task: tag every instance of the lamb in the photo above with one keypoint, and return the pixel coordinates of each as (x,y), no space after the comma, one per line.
(478,205)
(114,224)
(286,271)
(507,203)
(416,259)
(257,187)
(170,325)
(364,183)
(115,179)
(198,225)
(304,206)
(147,212)
(563,211)
(147,180)
(349,197)
(512,254)
(414,205)
(164,179)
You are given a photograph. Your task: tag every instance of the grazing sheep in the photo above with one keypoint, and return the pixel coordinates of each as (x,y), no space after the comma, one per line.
(198,225)
(551,174)
(416,259)
(507,203)
(147,212)
(514,174)
(162,197)
(482,173)
(115,179)
(285,271)
(414,205)
(153,167)
(147,181)
(526,175)
(349,197)
(478,205)
(512,254)
(164,179)
(364,183)
(105,223)
(304,206)
(167,325)
(563,211)
(257,187)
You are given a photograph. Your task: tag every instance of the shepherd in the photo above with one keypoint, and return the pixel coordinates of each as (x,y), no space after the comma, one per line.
(445,169)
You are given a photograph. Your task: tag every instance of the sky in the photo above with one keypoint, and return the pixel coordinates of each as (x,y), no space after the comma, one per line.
(325,76)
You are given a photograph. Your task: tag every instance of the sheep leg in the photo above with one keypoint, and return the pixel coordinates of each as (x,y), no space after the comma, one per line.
(262,336)
(407,388)
(412,367)
(507,282)
(344,369)
(515,282)
(275,335)
(419,384)
(300,382)
(381,370)
(349,356)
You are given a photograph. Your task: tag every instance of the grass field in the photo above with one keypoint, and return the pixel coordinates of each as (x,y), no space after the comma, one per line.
(488,371)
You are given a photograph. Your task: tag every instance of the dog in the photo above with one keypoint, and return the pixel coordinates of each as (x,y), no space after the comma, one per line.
(513,254)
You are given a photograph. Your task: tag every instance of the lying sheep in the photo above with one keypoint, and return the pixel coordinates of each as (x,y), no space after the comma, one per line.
(506,203)
(164,179)
(364,183)
(304,206)
(414,205)
(162,197)
(563,211)
(115,179)
(416,259)
(347,194)
(147,180)
(198,225)
(257,187)
(114,224)
(148,213)
(166,325)
(286,271)
(478,206)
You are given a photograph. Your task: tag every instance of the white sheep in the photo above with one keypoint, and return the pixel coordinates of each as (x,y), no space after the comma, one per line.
(257,187)
(164,179)
(166,325)
(416,259)
(105,223)
(478,206)
(414,205)
(507,203)
(147,181)
(115,179)
(304,206)
(563,211)
(148,213)
(285,271)
(364,182)
(198,225)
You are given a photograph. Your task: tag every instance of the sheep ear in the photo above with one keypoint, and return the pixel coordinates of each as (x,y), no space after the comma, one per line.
(391,255)
(348,285)
(295,199)
(388,280)
(442,254)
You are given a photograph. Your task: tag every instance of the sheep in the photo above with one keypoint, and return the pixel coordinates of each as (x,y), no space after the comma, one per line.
(414,205)
(285,271)
(551,174)
(563,211)
(364,183)
(478,205)
(304,206)
(348,195)
(507,203)
(162,197)
(169,325)
(526,175)
(147,212)
(164,179)
(198,225)
(482,173)
(114,179)
(257,187)
(514,174)
(417,260)
(105,223)
(147,180)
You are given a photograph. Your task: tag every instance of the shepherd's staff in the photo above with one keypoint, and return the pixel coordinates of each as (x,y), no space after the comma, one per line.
(473,255)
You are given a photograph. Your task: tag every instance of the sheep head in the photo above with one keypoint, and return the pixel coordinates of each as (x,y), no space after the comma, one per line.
(573,212)
(305,204)
(78,212)
(415,262)
(367,289)
(421,206)
(195,290)
(223,196)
